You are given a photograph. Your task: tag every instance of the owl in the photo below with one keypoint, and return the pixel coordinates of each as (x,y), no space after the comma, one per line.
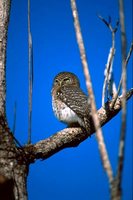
(69,102)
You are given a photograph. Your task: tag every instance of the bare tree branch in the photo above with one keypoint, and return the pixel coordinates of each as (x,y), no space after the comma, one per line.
(30,58)
(99,136)
(14,121)
(109,84)
(123,126)
(71,137)
(129,54)
(120,83)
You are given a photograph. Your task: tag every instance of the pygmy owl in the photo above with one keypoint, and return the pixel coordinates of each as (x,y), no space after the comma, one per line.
(69,102)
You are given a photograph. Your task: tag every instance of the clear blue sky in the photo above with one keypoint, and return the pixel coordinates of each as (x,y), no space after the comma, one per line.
(74,173)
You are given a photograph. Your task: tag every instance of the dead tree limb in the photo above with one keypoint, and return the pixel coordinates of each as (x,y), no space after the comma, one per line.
(99,136)
(71,137)
(116,191)
(30,75)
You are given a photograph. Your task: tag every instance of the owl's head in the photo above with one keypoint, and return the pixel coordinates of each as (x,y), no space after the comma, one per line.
(66,79)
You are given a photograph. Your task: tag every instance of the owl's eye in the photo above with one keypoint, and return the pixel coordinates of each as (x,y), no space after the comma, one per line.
(67,80)
(56,82)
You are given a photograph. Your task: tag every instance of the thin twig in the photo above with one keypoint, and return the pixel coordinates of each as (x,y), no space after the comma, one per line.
(17,142)
(14,126)
(129,53)
(14,121)
(108,76)
(123,126)
(99,136)
(109,81)
(30,63)
(120,83)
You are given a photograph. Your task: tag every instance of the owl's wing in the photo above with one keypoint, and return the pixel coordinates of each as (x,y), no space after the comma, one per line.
(75,99)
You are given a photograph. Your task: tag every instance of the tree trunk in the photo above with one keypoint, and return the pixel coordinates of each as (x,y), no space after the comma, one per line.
(13,167)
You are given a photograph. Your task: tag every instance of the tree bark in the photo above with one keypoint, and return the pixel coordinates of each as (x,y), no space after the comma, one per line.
(4,18)
(13,168)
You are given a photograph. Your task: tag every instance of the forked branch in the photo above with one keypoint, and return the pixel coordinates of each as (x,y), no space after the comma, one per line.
(109,84)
